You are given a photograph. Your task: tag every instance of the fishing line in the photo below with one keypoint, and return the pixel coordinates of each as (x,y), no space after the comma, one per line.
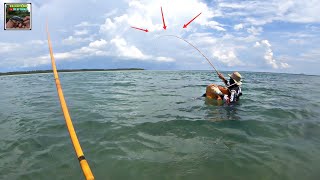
(194,48)
(170,35)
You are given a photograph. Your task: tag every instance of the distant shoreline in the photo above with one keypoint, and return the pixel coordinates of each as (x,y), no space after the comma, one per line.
(128,69)
(67,70)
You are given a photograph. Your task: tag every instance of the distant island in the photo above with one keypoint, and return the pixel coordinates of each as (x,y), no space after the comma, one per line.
(67,70)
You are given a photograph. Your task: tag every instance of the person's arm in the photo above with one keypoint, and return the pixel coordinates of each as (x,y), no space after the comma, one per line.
(222,78)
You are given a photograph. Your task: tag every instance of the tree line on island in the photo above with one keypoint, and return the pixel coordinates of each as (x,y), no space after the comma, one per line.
(67,70)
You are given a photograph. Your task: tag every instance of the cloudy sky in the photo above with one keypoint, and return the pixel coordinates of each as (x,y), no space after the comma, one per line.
(250,35)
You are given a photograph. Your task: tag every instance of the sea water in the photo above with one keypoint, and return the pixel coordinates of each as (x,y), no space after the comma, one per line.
(155,125)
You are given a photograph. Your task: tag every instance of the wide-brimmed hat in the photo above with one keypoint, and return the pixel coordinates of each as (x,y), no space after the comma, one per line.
(236,76)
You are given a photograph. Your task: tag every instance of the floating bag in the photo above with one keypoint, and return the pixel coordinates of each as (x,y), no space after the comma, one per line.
(214,91)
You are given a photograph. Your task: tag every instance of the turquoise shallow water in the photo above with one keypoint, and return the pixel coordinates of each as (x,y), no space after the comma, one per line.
(153,125)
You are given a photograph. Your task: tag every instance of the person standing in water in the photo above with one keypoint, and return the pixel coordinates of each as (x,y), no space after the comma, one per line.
(231,93)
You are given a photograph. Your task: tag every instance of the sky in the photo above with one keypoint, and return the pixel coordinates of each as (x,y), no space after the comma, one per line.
(236,35)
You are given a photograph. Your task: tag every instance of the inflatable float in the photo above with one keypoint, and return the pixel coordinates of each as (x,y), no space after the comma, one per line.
(216,92)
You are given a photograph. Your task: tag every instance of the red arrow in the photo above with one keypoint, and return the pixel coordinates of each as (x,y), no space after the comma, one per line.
(164,23)
(145,30)
(185,25)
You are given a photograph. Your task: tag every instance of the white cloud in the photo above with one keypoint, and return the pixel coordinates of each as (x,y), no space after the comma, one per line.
(313,28)
(284,65)
(214,25)
(266,42)
(203,39)
(257,44)
(118,47)
(232,5)
(86,24)
(303,35)
(227,57)
(17,48)
(123,49)
(303,12)
(37,42)
(165,59)
(81,32)
(312,55)
(65,55)
(146,14)
(108,25)
(9,47)
(268,55)
(98,44)
(263,12)
(297,41)
(238,27)
(71,40)
(110,13)
(227,40)
(126,50)
(255,31)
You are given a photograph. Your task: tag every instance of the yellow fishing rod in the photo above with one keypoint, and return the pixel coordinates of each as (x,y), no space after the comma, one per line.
(73,136)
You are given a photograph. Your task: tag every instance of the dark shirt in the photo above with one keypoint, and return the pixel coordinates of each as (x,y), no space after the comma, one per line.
(234,91)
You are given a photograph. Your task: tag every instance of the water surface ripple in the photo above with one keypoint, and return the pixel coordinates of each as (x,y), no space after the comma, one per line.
(154,125)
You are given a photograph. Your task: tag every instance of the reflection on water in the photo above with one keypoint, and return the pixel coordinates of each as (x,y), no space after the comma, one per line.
(219,111)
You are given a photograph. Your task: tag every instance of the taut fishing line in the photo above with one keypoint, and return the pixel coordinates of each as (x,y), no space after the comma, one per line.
(169,35)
